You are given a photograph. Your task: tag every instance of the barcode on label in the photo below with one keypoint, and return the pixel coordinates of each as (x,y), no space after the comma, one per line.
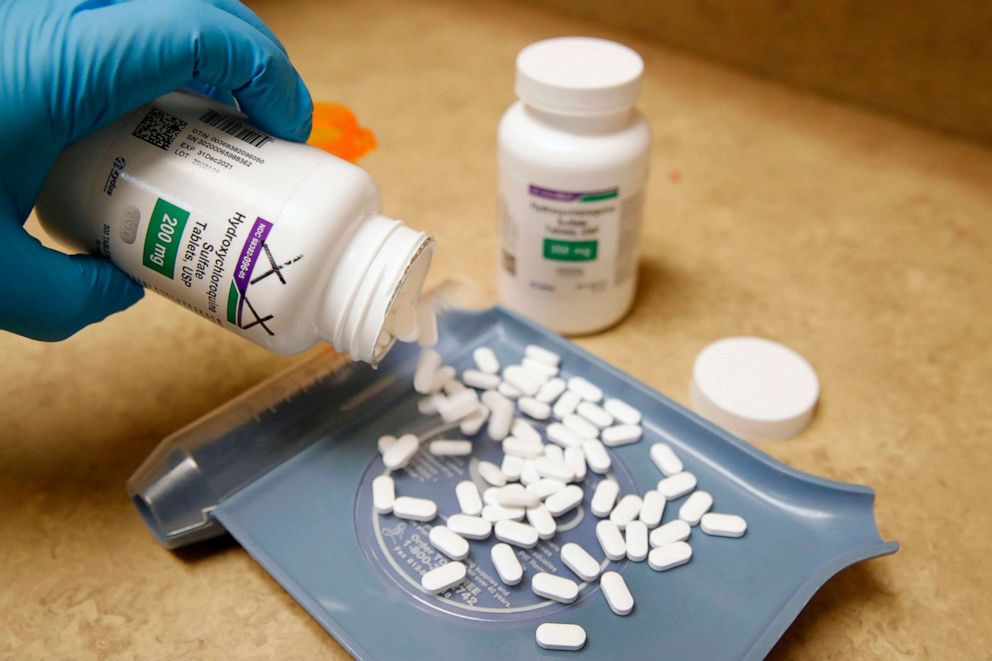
(235,127)
(159,128)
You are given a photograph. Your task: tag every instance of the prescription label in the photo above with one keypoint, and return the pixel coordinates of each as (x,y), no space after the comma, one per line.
(213,243)
(402,551)
(569,241)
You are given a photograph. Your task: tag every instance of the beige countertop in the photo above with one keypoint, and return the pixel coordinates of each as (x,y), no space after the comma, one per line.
(863,243)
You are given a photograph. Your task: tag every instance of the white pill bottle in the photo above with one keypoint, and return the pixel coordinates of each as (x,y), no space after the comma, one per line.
(276,241)
(573,164)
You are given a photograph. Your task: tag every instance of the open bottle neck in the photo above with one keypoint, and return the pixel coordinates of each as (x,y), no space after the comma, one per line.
(384,262)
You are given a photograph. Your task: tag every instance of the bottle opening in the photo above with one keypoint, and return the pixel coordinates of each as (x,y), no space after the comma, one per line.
(384,265)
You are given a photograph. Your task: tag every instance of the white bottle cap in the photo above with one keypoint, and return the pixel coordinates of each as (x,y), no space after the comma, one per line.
(755,388)
(579,76)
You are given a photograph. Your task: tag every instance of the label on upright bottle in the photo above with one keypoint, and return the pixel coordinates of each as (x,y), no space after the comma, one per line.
(569,242)
(189,206)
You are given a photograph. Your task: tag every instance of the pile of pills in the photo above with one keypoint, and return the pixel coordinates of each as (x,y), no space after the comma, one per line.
(538,481)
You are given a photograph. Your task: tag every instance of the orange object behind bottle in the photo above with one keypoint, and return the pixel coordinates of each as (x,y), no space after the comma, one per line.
(336,131)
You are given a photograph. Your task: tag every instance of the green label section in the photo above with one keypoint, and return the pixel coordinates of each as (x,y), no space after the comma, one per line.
(165,229)
(232,305)
(570,251)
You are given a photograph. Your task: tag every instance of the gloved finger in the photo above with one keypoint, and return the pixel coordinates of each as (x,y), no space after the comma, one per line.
(215,93)
(126,54)
(48,295)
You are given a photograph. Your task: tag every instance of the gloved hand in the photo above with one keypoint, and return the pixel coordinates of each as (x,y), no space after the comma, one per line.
(69,67)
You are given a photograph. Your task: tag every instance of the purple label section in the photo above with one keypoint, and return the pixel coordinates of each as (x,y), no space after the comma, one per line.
(249,255)
(568,196)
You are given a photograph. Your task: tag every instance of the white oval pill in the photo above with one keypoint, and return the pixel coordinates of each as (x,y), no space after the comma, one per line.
(472,423)
(551,390)
(491,473)
(428,363)
(458,405)
(564,501)
(545,487)
(556,470)
(383,494)
(414,509)
(426,325)
(402,322)
(554,453)
(500,416)
(563,436)
(595,414)
(524,449)
(426,406)
(542,521)
(541,354)
(480,380)
(489,496)
(626,510)
(576,460)
(585,389)
(537,367)
(623,411)
(669,556)
(652,508)
(441,377)
(556,588)
(401,452)
(580,426)
(665,459)
(695,506)
(596,456)
(566,404)
(610,538)
(671,532)
(519,497)
(507,566)
(516,533)
(522,379)
(677,485)
(636,538)
(511,467)
(621,435)
(469,499)
(723,525)
(444,577)
(617,593)
(472,527)
(450,448)
(604,498)
(533,408)
(495,513)
(525,431)
(451,386)
(528,474)
(554,636)
(449,543)
(579,561)
(508,391)
(385,442)
(486,360)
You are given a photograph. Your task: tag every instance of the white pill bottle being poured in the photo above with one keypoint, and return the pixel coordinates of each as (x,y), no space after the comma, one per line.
(276,241)
(573,164)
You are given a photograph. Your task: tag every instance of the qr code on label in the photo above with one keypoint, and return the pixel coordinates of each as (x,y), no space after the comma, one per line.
(159,128)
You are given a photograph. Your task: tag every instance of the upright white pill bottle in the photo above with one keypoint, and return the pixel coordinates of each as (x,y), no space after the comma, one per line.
(276,241)
(573,164)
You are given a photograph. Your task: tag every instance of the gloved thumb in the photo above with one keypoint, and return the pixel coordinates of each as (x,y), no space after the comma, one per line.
(48,295)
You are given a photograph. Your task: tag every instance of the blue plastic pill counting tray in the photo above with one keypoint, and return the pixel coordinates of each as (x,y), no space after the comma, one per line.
(290,479)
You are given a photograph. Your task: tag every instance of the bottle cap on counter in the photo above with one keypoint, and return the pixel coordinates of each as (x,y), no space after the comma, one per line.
(756,389)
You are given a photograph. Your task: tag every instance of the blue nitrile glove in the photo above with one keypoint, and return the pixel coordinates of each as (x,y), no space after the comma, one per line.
(69,67)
